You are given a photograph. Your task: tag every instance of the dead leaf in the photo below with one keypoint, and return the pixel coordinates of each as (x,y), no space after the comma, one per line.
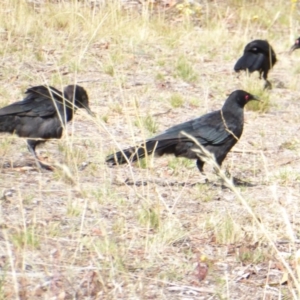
(201,268)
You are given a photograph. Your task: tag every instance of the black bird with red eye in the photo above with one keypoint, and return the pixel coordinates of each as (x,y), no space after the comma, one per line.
(217,131)
(295,46)
(258,56)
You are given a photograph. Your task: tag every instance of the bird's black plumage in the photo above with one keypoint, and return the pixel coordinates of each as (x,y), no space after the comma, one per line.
(296,45)
(43,113)
(217,131)
(258,56)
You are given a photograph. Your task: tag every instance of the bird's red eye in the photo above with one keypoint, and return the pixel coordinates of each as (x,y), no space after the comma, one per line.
(247,97)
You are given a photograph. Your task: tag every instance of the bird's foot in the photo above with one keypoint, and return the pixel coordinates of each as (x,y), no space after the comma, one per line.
(44,166)
(204,175)
(267,85)
(241,182)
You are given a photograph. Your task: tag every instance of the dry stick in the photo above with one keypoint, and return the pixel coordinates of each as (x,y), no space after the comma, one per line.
(177,286)
(226,127)
(251,151)
(209,158)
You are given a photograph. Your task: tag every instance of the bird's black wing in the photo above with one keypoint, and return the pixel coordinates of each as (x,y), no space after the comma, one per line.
(39,102)
(251,61)
(208,130)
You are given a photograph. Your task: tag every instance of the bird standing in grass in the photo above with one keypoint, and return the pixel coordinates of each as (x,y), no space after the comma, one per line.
(43,114)
(217,131)
(295,46)
(258,56)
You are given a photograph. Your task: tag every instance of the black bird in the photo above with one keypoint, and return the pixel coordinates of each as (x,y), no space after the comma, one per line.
(295,46)
(258,56)
(217,131)
(42,114)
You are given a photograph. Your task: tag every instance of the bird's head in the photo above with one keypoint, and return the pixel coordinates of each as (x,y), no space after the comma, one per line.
(257,46)
(295,46)
(78,95)
(240,97)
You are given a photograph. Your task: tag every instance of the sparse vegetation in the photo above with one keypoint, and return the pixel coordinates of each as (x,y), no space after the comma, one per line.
(176,100)
(185,70)
(147,123)
(86,231)
(150,124)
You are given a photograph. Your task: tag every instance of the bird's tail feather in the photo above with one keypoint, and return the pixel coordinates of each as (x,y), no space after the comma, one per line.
(132,153)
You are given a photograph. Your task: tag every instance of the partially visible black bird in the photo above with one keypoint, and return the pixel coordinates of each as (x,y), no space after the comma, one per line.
(43,114)
(295,46)
(258,56)
(217,131)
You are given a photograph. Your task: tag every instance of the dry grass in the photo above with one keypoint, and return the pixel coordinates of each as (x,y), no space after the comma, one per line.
(89,233)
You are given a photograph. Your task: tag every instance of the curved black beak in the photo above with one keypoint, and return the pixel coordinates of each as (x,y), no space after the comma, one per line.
(89,111)
(255,98)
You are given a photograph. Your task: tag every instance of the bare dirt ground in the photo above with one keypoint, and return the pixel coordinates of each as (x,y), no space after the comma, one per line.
(88,231)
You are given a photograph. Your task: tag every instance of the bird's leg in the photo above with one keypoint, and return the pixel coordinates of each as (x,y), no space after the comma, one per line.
(31,144)
(268,85)
(260,75)
(200,165)
(227,173)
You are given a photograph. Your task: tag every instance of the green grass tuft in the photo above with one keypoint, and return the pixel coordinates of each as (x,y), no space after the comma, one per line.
(176,100)
(185,70)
